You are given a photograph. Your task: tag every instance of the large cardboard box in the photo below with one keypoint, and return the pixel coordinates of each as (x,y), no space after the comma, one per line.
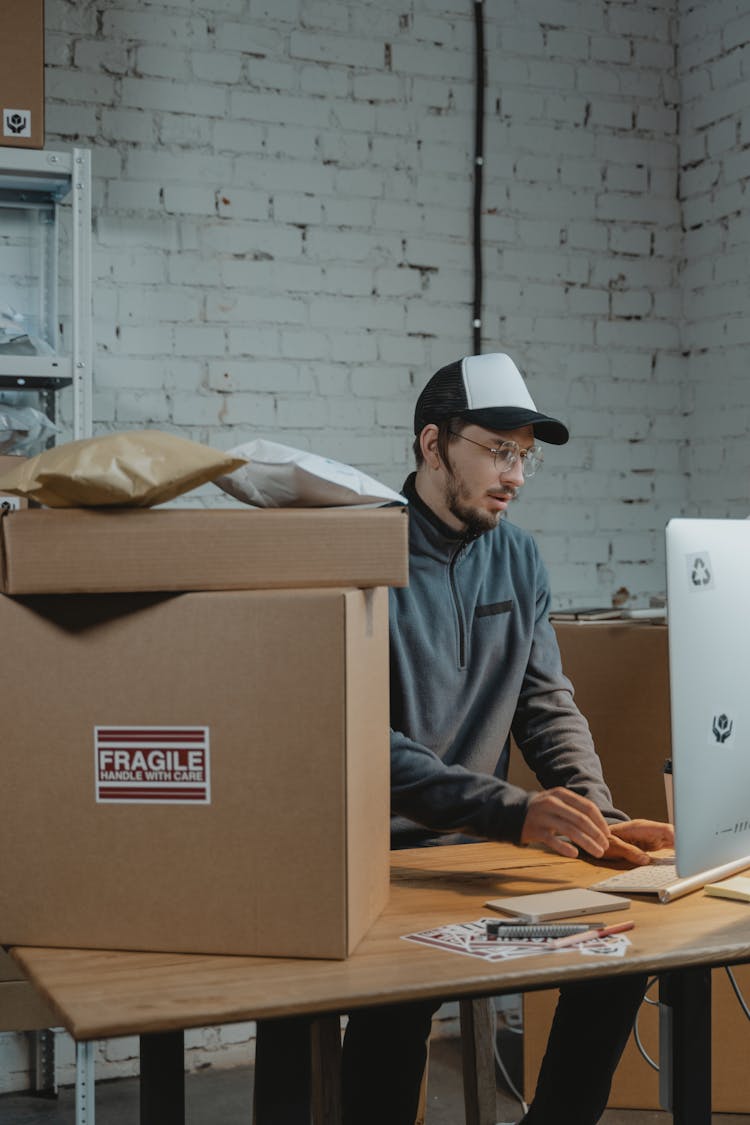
(200,772)
(22,73)
(620,672)
(76,550)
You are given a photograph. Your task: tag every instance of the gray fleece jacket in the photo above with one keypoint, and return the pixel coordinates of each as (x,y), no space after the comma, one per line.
(474,658)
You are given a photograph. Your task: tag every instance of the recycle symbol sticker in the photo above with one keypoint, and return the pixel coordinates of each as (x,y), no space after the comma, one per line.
(700,571)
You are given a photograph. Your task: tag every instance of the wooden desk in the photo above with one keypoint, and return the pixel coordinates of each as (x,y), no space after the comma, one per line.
(99,994)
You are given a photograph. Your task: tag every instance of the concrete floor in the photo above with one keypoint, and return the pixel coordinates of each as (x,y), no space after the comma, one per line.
(224,1097)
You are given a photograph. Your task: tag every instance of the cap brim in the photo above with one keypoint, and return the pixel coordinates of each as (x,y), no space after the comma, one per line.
(546,429)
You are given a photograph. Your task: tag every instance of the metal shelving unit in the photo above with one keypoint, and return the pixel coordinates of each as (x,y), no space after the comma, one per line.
(33,185)
(34,188)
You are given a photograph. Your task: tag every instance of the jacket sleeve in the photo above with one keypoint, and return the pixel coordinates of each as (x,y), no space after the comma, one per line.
(552,734)
(451,798)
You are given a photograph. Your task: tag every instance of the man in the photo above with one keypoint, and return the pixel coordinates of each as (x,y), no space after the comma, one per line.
(474,659)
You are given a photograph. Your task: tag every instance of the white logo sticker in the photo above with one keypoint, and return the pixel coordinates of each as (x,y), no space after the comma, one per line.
(700,571)
(152,765)
(16,122)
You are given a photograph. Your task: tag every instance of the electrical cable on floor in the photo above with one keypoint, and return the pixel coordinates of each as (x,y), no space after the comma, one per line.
(736,988)
(636,1035)
(509,1082)
(478,174)
(646,1000)
(636,1032)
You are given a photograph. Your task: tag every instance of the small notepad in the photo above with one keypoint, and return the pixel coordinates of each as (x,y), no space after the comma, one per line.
(736,887)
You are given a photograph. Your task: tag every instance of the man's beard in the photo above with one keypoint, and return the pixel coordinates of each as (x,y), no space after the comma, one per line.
(475,520)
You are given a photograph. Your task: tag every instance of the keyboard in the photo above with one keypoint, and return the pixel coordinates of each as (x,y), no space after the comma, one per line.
(641,880)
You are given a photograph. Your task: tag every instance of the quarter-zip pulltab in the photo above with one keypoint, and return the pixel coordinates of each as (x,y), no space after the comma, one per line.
(460,619)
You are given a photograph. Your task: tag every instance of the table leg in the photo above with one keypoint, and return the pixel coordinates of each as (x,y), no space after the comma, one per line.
(687,998)
(326,1070)
(85,1104)
(478,1031)
(163,1078)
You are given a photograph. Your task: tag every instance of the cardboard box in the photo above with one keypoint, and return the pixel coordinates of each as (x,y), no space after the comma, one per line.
(203,772)
(21,1006)
(9,970)
(22,74)
(23,1009)
(620,673)
(77,550)
(8,502)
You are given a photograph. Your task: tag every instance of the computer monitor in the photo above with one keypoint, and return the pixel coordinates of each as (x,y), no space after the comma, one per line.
(708,601)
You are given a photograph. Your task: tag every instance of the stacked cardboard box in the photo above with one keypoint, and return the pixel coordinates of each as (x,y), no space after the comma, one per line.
(206,770)
(76,550)
(6,500)
(22,74)
(620,672)
(21,1006)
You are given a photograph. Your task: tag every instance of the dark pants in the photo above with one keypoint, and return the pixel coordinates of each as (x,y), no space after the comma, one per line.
(385,1050)
(588,1035)
(281,1092)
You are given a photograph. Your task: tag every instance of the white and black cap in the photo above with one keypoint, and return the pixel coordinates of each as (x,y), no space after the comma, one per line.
(488,390)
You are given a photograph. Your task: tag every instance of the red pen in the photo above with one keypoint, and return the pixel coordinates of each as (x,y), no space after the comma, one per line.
(586,935)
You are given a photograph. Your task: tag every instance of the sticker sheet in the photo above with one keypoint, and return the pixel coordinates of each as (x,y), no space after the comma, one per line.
(470,939)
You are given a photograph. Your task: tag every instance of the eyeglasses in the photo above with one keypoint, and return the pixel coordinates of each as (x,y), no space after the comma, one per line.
(506,456)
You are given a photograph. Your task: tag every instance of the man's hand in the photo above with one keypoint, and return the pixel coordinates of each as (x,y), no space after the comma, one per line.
(557,813)
(632,840)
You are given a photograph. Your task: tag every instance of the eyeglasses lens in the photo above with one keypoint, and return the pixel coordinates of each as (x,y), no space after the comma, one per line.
(507,457)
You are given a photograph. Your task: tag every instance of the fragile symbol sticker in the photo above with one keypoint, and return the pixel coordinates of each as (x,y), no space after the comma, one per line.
(152,765)
(16,123)
(722,728)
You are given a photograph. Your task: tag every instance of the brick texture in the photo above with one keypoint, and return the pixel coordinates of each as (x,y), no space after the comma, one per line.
(291,184)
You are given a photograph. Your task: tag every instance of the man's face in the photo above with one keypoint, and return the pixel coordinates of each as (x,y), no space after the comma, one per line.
(474,492)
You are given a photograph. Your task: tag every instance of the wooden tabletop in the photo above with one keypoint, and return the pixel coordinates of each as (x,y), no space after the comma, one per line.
(103,993)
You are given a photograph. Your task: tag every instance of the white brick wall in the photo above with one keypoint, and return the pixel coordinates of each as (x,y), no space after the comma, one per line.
(713,181)
(284,220)
(282,238)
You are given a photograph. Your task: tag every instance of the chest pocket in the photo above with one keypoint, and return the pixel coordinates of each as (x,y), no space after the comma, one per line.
(493,609)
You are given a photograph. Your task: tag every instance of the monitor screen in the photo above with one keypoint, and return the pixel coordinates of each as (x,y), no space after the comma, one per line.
(708,598)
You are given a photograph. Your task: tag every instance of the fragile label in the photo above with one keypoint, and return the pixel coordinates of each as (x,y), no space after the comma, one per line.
(152,765)
(722,731)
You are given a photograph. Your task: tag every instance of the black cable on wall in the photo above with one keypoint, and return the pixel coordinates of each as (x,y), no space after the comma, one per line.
(478,173)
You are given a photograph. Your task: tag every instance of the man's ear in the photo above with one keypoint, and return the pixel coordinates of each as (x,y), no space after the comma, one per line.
(428,443)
